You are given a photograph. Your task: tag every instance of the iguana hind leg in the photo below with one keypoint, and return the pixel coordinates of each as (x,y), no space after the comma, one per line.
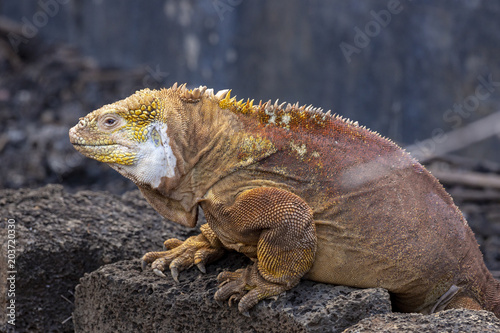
(275,228)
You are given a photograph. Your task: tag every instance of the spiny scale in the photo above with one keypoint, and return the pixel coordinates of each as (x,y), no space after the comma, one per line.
(225,101)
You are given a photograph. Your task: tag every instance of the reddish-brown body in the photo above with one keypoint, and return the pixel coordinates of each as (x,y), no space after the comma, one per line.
(303,193)
(382,220)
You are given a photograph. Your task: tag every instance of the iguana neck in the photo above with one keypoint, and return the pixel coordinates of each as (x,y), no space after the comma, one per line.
(209,143)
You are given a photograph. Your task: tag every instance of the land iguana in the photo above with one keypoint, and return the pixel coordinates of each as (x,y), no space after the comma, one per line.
(303,193)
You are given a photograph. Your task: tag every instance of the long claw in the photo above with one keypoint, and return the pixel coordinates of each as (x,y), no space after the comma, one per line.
(223,283)
(234,298)
(182,255)
(159,273)
(175,274)
(219,303)
(202,268)
(246,314)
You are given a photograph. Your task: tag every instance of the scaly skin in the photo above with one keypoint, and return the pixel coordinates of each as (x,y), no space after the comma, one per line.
(302,193)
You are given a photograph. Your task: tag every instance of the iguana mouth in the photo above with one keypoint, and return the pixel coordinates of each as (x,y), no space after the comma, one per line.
(101,145)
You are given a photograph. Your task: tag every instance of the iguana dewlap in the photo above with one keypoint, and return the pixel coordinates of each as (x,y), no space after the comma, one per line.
(300,192)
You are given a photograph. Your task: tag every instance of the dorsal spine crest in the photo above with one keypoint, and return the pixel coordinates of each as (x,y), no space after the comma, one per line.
(284,115)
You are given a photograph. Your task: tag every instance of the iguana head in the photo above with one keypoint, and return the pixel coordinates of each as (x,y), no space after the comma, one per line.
(131,136)
(155,138)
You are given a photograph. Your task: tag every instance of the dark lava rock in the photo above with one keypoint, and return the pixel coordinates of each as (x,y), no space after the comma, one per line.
(60,236)
(121,298)
(456,320)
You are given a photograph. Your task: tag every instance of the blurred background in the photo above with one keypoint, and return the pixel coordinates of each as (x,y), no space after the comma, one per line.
(424,73)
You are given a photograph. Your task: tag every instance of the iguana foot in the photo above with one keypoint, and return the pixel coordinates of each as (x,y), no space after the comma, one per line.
(247,287)
(181,255)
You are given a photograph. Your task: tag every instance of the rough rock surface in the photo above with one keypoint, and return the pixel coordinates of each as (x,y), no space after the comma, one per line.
(121,298)
(62,236)
(457,320)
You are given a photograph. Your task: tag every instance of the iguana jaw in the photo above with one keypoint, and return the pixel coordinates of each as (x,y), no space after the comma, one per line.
(107,153)
(100,145)
(145,162)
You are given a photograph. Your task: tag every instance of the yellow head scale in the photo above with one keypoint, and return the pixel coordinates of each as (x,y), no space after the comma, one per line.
(116,127)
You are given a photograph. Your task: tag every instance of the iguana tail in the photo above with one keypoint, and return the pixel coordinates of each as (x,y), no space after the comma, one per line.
(481,292)
(492,294)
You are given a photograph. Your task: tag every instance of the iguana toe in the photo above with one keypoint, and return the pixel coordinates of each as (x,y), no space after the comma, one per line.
(231,291)
(172,243)
(247,287)
(181,255)
(226,276)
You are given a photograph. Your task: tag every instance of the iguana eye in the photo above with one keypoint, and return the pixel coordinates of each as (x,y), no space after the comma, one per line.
(109,121)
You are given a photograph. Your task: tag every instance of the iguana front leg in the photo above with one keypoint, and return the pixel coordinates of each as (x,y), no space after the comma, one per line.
(180,255)
(273,227)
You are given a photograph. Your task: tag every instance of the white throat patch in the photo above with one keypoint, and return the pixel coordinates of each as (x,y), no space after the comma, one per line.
(155,158)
